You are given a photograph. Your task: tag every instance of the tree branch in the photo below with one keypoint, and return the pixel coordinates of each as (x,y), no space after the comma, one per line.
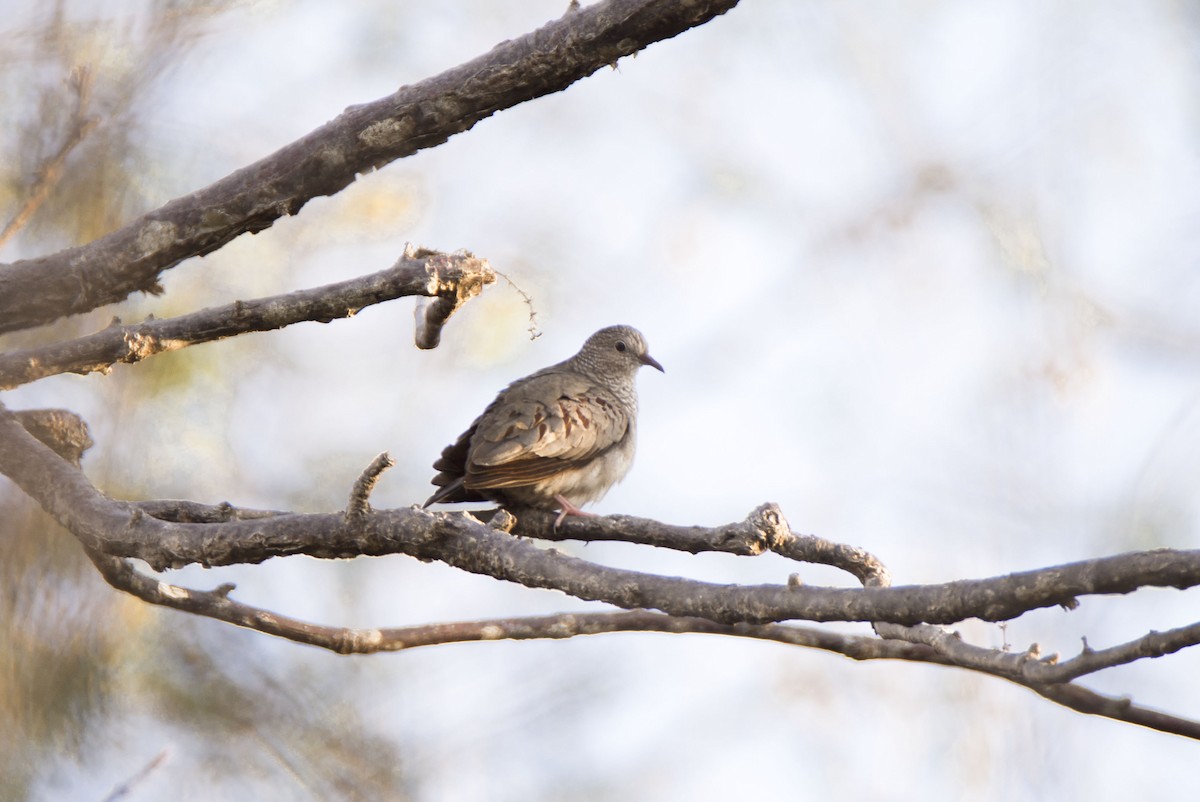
(1120,709)
(457,277)
(358,506)
(764,527)
(64,432)
(362,138)
(124,530)
(1089,661)
(217,604)
(128,785)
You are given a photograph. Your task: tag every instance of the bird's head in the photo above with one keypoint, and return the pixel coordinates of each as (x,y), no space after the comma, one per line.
(618,350)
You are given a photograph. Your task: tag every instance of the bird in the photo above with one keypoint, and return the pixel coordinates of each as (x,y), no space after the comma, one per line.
(555,439)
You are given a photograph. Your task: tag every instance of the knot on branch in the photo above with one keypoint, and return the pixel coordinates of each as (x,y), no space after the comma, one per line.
(138,346)
(359,641)
(502,520)
(64,432)
(454,279)
(767,522)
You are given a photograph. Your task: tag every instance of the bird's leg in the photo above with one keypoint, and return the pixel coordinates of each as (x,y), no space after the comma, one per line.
(569,509)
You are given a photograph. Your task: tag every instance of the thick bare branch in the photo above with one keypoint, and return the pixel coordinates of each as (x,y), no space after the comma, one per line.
(424,273)
(759,532)
(217,604)
(960,653)
(510,561)
(361,139)
(765,529)
(64,432)
(750,537)
(1121,709)
(194,512)
(124,530)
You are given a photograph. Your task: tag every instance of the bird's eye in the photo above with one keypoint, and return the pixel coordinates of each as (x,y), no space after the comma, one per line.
(620,346)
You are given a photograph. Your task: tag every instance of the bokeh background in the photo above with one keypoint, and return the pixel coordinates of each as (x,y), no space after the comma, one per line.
(923,273)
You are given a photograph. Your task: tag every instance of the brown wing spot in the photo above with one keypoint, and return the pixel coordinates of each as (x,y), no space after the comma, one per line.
(510,431)
(567,420)
(542,429)
(585,421)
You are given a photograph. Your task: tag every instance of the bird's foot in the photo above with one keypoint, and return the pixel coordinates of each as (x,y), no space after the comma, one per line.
(569,509)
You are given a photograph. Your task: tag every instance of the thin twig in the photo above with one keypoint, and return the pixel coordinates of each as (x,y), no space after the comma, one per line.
(1153,644)
(534,332)
(127,786)
(358,507)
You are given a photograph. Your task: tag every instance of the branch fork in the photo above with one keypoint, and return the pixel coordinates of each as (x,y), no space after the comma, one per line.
(175,533)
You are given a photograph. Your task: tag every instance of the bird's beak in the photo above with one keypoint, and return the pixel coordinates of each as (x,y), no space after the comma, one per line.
(646,359)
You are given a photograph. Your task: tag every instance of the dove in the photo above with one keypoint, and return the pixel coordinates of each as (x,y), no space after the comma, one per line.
(555,439)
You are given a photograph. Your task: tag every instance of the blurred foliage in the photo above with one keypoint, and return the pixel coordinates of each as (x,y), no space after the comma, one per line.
(290,728)
(121,61)
(60,641)
(78,661)
(128,56)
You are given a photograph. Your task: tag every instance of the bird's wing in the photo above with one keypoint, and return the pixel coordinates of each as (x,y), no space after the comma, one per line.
(541,426)
(452,470)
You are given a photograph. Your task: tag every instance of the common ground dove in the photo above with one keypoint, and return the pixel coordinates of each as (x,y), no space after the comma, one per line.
(556,439)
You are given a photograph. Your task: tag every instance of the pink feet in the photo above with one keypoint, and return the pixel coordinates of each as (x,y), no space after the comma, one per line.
(569,509)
